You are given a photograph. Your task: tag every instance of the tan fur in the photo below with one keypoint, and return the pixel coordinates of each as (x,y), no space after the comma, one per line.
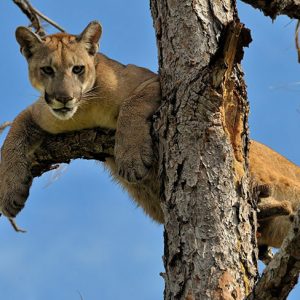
(282,198)
(109,94)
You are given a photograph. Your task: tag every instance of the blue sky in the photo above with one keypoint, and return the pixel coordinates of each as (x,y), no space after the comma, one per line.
(84,233)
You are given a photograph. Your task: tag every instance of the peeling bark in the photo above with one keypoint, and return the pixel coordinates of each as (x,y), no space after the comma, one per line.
(202,130)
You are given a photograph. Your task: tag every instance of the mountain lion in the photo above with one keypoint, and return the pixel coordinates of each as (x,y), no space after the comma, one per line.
(81,88)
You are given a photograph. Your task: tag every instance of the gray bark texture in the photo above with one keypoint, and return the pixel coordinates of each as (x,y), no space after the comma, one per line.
(94,144)
(202,131)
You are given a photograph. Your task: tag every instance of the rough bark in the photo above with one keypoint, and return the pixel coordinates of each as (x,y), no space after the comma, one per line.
(273,8)
(209,225)
(281,275)
(94,144)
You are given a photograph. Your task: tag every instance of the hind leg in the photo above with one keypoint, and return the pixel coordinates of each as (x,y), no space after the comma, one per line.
(268,209)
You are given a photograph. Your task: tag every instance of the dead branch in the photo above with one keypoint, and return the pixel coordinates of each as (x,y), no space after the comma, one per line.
(94,144)
(26,8)
(297,40)
(45,18)
(281,275)
(274,8)
(291,8)
(34,16)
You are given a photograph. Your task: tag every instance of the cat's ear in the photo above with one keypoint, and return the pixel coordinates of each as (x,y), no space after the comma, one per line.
(91,36)
(28,41)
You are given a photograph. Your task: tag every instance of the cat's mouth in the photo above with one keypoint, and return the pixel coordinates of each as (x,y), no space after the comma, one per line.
(63,113)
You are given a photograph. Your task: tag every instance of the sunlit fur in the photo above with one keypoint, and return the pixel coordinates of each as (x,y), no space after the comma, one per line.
(109,94)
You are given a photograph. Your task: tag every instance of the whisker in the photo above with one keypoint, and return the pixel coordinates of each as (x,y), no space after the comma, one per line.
(88,100)
(89,95)
(91,89)
(85,97)
(90,92)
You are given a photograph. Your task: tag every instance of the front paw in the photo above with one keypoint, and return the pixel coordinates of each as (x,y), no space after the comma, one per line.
(270,208)
(14,192)
(134,162)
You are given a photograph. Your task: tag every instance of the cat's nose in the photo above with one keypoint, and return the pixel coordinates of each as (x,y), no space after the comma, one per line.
(64,99)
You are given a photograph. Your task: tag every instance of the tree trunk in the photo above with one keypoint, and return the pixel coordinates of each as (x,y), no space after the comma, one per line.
(203,143)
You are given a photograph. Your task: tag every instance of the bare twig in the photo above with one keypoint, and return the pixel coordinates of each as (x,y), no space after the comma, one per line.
(31,15)
(42,16)
(34,16)
(4,125)
(297,40)
(81,298)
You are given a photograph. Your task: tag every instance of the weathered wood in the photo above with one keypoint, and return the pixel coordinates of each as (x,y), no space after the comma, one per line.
(34,16)
(281,274)
(209,224)
(94,144)
(26,8)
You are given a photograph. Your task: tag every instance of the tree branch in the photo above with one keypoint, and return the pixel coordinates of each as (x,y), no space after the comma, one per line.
(291,8)
(281,275)
(26,8)
(34,16)
(94,143)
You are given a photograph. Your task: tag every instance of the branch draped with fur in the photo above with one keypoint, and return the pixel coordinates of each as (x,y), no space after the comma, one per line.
(94,144)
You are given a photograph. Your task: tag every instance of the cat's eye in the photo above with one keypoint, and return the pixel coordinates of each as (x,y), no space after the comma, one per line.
(78,70)
(47,70)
